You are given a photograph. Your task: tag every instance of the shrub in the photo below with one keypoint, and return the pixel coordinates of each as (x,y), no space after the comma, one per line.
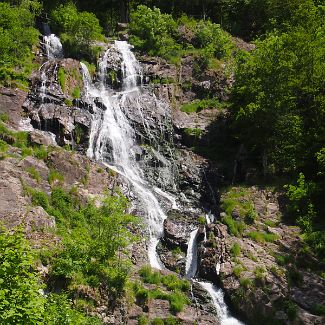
(21,301)
(235,250)
(4,117)
(237,270)
(149,276)
(172,282)
(77,30)
(76,92)
(54,176)
(260,272)
(246,283)
(40,198)
(143,320)
(61,78)
(250,216)
(40,152)
(319,310)
(235,228)
(17,36)
(262,237)
(33,172)
(157,321)
(152,32)
(177,301)
(199,105)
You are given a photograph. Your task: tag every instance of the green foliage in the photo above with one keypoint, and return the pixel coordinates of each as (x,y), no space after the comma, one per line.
(76,92)
(171,281)
(55,176)
(235,250)
(238,269)
(246,283)
(58,310)
(250,216)
(198,105)
(143,320)
(294,277)
(61,78)
(20,298)
(77,30)
(3,146)
(152,31)
(17,37)
(149,276)
(262,237)
(202,220)
(157,321)
(34,173)
(319,310)
(196,133)
(158,34)
(260,272)
(4,117)
(93,239)
(300,205)
(235,228)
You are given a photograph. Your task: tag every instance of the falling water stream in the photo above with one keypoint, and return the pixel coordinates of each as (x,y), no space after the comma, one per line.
(112,132)
(112,141)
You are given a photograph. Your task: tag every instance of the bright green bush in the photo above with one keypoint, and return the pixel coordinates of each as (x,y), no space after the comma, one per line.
(17,37)
(20,299)
(235,250)
(152,32)
(77,30)
(198,105)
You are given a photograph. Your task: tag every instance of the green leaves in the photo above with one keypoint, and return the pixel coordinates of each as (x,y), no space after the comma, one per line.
(20,298)
(78,30)
(17,36)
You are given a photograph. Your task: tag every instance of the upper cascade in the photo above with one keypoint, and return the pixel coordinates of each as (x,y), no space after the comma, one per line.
(53,47)
(113,140)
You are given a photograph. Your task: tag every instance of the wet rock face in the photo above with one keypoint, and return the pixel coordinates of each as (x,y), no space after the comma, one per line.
(52,109)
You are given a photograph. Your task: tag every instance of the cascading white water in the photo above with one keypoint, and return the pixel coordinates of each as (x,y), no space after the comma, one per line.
(215,293)
(191,256)
(112,129)
(53,47)
(219,302)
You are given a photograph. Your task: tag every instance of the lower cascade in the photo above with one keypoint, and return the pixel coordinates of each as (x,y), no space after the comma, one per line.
(113,142)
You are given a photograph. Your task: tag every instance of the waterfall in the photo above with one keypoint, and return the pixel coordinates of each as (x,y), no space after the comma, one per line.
(220,305)
(53,47)
(112,139)
(191,256)
(215,293)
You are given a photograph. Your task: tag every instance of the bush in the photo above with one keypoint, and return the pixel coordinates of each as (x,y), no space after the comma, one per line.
(77,30)
(21,301)
(199,105)
(235,250)
(235,228)
(152,32)
(33,172)
(262,237)
(177,301)
(17,36)
(54,176)
(246,283)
